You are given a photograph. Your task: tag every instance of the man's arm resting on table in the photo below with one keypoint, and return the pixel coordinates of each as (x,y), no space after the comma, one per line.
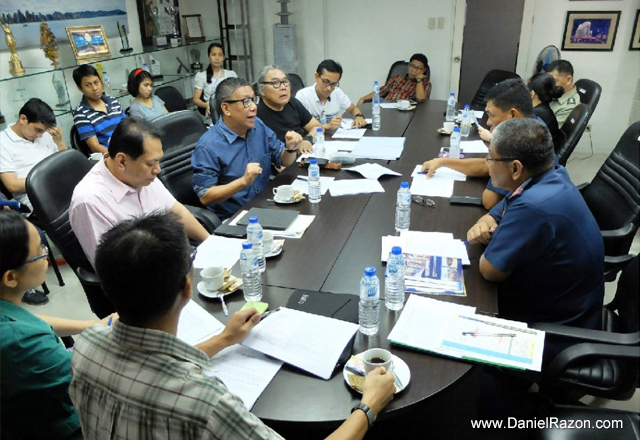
(12,183)
(95,146)
(473,167)
(490,198)
(238,327)
(490,273)
(358,118)
(365,98)
(195,230)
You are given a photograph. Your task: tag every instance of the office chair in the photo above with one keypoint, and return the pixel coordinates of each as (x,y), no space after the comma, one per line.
(50,185)
(589,92)
(173,99)
(399,67)
(492,78)
(77,143)
(613,197)
(573,128)
(214,109)
(296,83)
(181,132)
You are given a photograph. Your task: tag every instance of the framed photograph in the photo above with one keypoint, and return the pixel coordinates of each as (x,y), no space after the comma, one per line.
(193,28)
(635,35)
(89,43)
(158,18)
(590,30)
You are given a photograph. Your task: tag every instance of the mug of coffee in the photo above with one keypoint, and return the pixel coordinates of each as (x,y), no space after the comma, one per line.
(284,193)
(377,357)
(448,126)
(404,104)
(267,241)
(213,278)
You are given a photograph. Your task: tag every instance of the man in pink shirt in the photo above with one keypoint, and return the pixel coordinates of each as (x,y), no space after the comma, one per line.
(124,185)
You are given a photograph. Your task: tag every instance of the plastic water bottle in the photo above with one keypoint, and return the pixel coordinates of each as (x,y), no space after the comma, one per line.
(314,182)
(106,82)
(403,207)
(323,119)
(369,309)
(375,123)
(454,144)
(394,280)
(376,91)
(465,125)
(251,282)
(451,108)
(254,235)
(318,146)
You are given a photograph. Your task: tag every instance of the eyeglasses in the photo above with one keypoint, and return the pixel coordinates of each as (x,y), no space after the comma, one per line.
(276,83)
(414,67)
(328,83)
(192,257)
(501,159)
(246,102)
(39,257)
(422,201)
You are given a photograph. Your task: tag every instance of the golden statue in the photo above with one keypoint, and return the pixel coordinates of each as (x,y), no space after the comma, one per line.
(15,65)
(49,44)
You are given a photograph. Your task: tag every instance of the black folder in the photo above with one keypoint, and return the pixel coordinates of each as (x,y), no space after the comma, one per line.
(277,219)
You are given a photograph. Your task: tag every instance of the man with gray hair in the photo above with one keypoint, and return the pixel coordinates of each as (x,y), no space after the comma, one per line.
(232,159)
(543,245)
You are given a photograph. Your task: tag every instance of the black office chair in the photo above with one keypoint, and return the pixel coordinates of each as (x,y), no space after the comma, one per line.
(399,67)
(214,109)
(296,83)
(181,132)
(78,143)
(50,185)
(573,128)
(589,92)
(613,196)
(492,78)
(173,99)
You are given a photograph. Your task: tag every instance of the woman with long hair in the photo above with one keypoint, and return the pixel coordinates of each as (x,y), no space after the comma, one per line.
(206,82)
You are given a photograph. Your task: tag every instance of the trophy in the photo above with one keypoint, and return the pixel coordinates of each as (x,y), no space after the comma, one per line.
(124,38)
(49,44)
(173,13)
(15,65)
(60,91)
(195,56)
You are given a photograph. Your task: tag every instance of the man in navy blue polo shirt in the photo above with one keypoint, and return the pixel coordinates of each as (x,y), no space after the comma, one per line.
(543,245)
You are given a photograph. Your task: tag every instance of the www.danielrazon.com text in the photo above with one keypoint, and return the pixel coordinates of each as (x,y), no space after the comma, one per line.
(546,423)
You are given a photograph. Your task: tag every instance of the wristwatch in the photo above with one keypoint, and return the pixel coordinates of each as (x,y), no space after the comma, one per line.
(419,80)
(291,151)
(367,411)
(359,115)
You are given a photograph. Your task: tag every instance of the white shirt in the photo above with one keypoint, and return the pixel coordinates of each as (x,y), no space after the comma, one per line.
(338,102)
(18,155)
(208,89)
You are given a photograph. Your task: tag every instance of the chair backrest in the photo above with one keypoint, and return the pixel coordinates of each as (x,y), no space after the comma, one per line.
(5,191)
(214,109)
(173,99)
(589,92)
(627,299)
(399,67)
(296,83)
(572,128)
(492,78)
(78,143)
(181,132)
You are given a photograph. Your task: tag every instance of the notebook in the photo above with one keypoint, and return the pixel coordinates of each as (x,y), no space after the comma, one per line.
(276,219)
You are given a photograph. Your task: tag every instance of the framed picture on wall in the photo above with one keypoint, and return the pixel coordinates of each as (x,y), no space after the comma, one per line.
(158,18)
(89,43)
(635,35)
(590,30)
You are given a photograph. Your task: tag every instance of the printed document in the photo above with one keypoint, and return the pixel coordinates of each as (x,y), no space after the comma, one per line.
(347,187)
(372,171)
(196,324)
(218,251)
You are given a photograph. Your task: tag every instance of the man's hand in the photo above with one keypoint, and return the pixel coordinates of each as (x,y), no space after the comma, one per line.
(432,165)
(292,140)
(252,171)
(482,231)
(358,122)
(56,134)
(239,326)
(485,134)
(334,124)
(378,389)
(305,147)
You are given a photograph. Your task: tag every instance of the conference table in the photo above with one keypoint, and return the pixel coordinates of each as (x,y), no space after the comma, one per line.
(344,238)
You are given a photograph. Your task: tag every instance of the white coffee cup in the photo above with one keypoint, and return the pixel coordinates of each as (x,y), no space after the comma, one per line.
(448,126)
(285,192)
(96,156)
(377,357)
(213,278)
(404,104)
(267,241)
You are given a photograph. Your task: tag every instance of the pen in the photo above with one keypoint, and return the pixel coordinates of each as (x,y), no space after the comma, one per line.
(267,313)
(423,172)
(110,321)
(508,335)
(305,178)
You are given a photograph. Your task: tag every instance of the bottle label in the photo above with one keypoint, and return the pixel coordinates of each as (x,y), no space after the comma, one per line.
(371,292)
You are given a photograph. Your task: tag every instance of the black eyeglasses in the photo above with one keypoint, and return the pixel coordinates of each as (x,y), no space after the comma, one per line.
(413,66)
(246,102)
(276,83)
(501,159)
(39,257)
(192,257)
(423,201)
(328,83)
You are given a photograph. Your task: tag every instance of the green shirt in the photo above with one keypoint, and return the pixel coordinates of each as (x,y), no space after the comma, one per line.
(35,372)
(564,104)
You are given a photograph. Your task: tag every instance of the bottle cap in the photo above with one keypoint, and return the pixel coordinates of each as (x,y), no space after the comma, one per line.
(456,129)
(452,94)
(369,271)
(466,106)
(375,101)
(253,219)
(396,250)
(247,245)
(404,185)
(313,161)
(319,130)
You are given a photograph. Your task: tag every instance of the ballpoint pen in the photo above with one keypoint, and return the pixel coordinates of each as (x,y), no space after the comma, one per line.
(508,335)
(224,306)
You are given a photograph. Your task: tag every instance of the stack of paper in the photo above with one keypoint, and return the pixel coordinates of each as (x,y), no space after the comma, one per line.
(439,185)
(349,187)
(386,148)
(351,133)
(429,243)
(196,324)
(372,170)
(219,251)
(430,274)
(295,229)
(476,146)
(347,123)
(331,147)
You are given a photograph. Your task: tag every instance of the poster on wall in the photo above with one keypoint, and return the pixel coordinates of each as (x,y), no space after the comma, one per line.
(635,35)
(590,30)
(59,14)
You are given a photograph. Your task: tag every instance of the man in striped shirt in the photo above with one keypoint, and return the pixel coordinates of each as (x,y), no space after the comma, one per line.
(98,114)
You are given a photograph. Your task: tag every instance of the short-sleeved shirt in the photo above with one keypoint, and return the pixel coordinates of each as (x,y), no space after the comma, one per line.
(564,104)
(338,102)
(140,110)
(208,89)
(35,376)
(18,155)
(100,201)
(549,241)
(293,117)
(91,122)
(138,383)
(221,157)
(402,87)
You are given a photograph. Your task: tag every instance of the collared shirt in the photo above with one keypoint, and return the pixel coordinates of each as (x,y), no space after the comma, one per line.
(140,110)
(221,157)
(293,117)
(402,87)
(136,383)
(18,155)
(100,201)
(35,375)
(564,104)
(337,102)
(550,243)
(208,89)
(91,122)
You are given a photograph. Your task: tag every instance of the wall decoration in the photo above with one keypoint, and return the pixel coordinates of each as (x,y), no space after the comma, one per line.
(590,30)
(193,28)
(157,18)
(635,35)
(89,43)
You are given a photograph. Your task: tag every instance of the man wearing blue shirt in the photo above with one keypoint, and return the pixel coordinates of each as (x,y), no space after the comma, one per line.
(232,159)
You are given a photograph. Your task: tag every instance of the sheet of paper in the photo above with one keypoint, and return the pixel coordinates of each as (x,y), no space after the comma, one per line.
(296,228)
(346,123)
(389,105)
(476,146)
(429,243)
(196,324)
(244,371)
(352,133)
(442,172)
(301,184)
(330,148)
(478,114)
(311,342)
(218,251)
(354,186)
(372,170)
(434,187)
(386,148)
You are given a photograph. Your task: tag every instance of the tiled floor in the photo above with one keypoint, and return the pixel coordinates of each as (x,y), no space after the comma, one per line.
(70,301)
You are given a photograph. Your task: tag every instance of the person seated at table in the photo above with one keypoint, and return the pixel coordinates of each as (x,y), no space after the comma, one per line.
(35,365)
(562,72)
(205,83)
(326,101)
(124,184)
(506,100)
(138,380)
(232,159)
(146,105)
(413,85)
(543,90)
(97,115)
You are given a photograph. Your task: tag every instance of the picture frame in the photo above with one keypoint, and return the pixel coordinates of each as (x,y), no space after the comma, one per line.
(89,43)
(590,30)
(154,19)
(634,44)
(193,31)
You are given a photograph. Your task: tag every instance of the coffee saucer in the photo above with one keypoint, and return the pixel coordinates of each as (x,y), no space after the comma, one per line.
(407,109)
(285,201)
(276,249)
(400,367)
(442,131)
(202,289)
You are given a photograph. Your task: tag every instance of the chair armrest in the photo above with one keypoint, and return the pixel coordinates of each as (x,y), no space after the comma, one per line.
(585,351)
(580,335)
(205,217)
(87,277)
(582,186)
(622,232)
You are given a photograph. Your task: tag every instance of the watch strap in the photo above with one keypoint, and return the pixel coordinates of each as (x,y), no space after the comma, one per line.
(359,115)
(291,151)
(368,412)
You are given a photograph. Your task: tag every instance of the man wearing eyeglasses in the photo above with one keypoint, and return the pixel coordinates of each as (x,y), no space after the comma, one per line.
(326,101)
(232,159)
